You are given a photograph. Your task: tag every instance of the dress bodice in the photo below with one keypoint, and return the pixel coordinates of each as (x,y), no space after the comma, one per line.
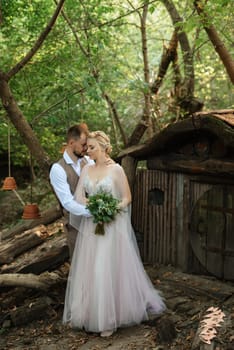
(105,184)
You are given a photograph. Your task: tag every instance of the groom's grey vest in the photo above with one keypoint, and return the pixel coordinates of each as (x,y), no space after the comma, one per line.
(72,177)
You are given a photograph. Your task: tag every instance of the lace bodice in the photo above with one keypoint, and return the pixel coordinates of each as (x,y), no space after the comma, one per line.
(92,187)
(114,182)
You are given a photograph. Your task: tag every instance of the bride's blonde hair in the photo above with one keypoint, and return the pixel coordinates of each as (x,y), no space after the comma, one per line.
(102,139)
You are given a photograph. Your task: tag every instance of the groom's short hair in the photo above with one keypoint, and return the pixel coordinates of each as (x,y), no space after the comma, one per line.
(75,131)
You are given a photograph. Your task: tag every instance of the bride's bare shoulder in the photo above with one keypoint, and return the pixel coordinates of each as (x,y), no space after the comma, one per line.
(116,167)
(87,168)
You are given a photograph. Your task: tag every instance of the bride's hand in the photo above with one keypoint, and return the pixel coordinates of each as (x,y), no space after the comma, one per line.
(120,205)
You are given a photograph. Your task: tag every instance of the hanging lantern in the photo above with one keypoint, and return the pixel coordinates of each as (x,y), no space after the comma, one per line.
(31,211)
(9,183)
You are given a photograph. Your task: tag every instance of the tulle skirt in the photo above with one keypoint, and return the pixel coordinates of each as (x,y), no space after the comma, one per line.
(107,285)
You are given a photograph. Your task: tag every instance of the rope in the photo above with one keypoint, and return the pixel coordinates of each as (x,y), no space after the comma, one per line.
(9,151)
(18,196)
(31,178)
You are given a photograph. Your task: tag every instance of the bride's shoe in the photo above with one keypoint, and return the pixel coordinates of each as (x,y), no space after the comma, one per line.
(107,333)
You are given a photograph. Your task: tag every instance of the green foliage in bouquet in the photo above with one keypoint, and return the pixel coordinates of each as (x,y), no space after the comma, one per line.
(104,207)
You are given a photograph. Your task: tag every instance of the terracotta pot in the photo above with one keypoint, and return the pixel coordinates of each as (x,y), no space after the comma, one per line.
(31,211)
(9,183)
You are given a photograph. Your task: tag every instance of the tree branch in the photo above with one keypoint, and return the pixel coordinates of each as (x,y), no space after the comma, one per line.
(146,120)
(168,56)
(35,118)
(188,84)
(113,109)
(73,30)
(37,44)
(95,74)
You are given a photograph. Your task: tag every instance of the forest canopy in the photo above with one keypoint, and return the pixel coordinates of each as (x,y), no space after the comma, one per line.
(114,64)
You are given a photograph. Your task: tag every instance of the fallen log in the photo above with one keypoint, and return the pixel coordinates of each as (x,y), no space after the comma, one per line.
(33,310)
(51,254)
(21,243)
(46,218)
(49,261)
(200,285)
(41,282)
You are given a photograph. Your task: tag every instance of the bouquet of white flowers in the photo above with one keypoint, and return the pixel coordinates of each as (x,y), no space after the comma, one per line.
(104,207)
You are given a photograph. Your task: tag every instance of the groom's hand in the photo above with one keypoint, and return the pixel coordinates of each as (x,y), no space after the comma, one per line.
(109,161)
(87,213)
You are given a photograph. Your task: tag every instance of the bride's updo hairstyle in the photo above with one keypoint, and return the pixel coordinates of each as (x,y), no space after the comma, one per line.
(102,139)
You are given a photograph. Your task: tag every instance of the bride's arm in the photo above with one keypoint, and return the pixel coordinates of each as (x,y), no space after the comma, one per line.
(80,195)
(123,187)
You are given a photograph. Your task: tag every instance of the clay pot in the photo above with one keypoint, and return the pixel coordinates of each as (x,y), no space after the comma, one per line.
(31,211)
(9,183)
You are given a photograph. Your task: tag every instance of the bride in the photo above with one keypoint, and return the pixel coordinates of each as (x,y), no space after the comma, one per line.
(107,285)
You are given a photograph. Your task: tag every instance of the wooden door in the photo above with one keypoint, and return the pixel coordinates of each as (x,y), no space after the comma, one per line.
(212,231)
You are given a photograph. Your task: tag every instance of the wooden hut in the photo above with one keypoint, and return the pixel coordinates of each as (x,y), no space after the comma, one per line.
(183,202)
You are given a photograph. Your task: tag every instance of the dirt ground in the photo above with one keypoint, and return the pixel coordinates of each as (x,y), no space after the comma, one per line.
(187,297)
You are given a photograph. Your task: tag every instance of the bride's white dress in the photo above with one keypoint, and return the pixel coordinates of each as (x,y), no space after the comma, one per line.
(107,285)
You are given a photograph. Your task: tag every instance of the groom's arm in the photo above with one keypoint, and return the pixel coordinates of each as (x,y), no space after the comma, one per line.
(58,180)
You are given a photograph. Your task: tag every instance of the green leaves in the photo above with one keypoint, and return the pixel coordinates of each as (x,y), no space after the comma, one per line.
(111,61)
(104,207)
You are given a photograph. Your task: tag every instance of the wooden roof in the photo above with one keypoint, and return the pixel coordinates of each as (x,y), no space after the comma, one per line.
(226,115)
(218,122)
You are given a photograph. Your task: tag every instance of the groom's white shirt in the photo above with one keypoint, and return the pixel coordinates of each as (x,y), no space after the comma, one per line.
(58,180)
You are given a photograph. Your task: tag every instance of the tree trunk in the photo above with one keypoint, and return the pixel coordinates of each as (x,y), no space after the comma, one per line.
(22,126)
(185,91)
(138,132)
(147,94)
(146,120)
(218,44)
(115,114)
(129,164)
(13,111)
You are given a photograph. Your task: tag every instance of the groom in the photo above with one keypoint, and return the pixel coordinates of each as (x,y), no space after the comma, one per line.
(64,177)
